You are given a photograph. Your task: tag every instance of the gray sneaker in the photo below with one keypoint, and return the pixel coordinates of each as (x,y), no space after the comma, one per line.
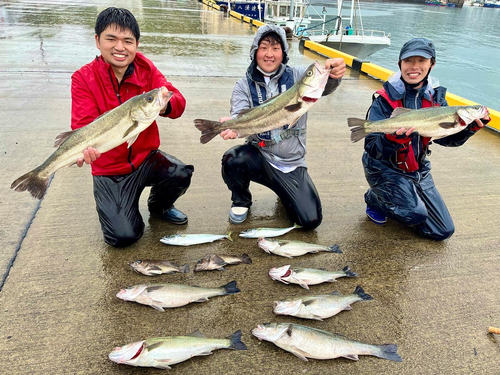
(238,215)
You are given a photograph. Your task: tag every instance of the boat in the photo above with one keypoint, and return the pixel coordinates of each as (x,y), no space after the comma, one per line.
(491,4)
(288,13)
(250,8)
(439,3)
(352,38)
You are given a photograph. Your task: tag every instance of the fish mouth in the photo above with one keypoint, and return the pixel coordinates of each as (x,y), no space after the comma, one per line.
(161,100)
(127,353)
(280,273)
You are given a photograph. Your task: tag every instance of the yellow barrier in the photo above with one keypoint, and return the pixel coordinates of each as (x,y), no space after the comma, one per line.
(234,14)
(330,52)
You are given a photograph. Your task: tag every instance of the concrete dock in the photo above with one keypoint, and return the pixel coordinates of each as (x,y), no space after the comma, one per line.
(58,310)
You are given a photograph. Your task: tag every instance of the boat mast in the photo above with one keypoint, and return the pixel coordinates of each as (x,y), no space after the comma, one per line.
(290,23)
(338,23)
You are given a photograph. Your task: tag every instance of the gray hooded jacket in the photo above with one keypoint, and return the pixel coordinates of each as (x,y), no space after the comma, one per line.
(289,153)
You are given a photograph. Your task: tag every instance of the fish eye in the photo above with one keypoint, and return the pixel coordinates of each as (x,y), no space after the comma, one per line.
(309,73)
(150,98)
(139,261)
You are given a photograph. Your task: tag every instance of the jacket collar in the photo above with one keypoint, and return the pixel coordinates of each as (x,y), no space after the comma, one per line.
(131,75)
(255,75)
(396,88)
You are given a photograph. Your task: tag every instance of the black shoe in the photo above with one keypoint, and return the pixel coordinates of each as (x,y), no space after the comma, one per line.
(173,216)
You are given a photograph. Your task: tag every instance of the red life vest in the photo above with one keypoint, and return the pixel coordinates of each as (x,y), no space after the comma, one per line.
(405,157)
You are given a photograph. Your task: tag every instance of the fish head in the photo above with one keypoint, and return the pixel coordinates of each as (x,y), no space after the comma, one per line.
(278,273)
(287,307)
(148,105)
(471,113)
(203,264)
(248,233)
(313,82)
(270,331)
(267,246)
(128,354)
(131,293)
(139,266)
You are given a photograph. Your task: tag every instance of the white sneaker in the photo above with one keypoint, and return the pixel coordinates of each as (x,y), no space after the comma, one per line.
(238,215)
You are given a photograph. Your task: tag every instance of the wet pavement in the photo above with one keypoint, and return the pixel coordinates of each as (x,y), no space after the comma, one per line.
(58,310)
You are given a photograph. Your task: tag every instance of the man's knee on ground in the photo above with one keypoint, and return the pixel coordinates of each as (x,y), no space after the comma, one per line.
(123,236)
(440,235)
(183,175)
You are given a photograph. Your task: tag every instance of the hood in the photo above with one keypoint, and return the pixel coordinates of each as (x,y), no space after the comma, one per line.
(262,32)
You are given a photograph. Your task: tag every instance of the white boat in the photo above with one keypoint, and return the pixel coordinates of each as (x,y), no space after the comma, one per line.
(291,13)
(352,38)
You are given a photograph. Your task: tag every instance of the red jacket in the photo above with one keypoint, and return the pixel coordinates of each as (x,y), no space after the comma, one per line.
(95,90)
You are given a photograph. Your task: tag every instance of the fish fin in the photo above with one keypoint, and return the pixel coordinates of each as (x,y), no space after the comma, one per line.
(388,351)
(218,260)
(230,288)
(204,353)
(308,302)
(157,306)
(361,293)
(302,284)
(62,137)
(335,293)
(197,333)
(334,249)
(131,141)
(357,126)
(154,268)
(209,129)
(316,317)
(132,127)
(348,307)
(354,357)
(399,111)
(447,125)
(289,330)
(246,110)
(32,182)
(348,272)
(184,269)
(229,236)
(153,346)
(297,226)
(245,258)
(299,353)
(162,364)
(293,107)
(152,288)
(220,268)
(202,299)
(236,342)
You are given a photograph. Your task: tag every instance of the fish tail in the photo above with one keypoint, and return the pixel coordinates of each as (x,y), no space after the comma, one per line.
(334,249)
(358,128)
(230,288)
(229,236)
(208,129)
(236,342)
(348,272)
(388,351)
(245,258)
(32,182)
(297,226)
(184,269)
(361,293)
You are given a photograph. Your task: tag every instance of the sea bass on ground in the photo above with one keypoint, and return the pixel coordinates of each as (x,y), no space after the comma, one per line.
(166,296)
(217,262)
(306,342)
(150,267)
(308,276)
(193,239)
(291,249)
(122,124)
(162,352)
(320,307)
(266,232)
(435,122)
(281,110)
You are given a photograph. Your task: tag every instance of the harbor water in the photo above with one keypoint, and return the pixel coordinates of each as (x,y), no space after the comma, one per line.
(467,42)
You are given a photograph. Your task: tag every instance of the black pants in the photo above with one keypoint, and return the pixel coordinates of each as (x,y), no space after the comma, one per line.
(242,164)
(117,197)
(411,202)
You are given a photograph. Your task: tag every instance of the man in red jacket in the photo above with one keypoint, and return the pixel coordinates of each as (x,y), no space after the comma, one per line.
(121,174)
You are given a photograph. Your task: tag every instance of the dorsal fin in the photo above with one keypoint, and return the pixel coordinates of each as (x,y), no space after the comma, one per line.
(62,137)
(198,334)
(399,110)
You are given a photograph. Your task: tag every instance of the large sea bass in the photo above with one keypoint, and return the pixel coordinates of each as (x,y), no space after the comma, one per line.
(306,342)
(435,122)
(162,352)
(122,124)
(281,110)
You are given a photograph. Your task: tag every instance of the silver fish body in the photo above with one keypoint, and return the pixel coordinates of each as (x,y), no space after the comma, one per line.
(163,352)
(320,307)
(166,296)
(122,124)
(266,232)
(289,249)
(193,239)
(435,122)
(307,276)
(281,110)
(306,342)
(150,267)
(217,262)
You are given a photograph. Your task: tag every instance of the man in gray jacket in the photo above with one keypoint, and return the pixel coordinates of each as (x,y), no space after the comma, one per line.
(275,158)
